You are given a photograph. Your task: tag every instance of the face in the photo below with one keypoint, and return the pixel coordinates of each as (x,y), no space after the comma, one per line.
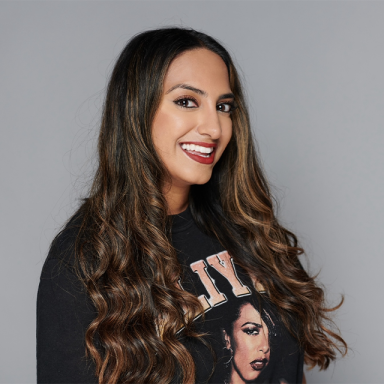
(193,125)
(250,345)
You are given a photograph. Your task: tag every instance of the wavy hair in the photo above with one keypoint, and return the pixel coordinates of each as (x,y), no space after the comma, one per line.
(124,251)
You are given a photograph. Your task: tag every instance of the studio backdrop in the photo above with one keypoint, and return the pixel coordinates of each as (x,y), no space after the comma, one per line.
(313,73)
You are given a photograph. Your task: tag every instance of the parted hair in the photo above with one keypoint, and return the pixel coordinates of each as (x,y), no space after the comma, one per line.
(124,253)
(227,327)
(234,315)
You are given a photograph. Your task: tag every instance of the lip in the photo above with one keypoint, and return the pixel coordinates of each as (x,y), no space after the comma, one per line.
(258,364)
(200,159)
(202,144)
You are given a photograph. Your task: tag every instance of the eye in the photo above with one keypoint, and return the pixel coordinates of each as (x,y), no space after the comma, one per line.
(251,331)
(186,102)
(226,107)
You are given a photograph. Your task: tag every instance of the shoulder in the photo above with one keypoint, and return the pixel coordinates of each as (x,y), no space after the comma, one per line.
(59,273)
(60,285)
(64,312)
(62,248)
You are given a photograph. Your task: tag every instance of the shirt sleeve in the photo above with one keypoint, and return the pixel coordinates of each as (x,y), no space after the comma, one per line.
(64,312)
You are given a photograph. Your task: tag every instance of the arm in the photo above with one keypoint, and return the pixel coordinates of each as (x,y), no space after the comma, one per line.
(64,312)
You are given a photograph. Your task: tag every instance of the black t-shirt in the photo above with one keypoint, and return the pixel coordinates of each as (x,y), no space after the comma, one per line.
(242,326)
(242,329)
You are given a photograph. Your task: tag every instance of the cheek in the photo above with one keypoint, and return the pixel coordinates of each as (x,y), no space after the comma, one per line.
(160,129)
(227,129)
(226,135)
(242,346)
(170,125)
(244,355)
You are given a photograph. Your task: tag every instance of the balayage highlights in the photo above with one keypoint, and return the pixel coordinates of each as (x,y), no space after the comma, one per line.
(124,252)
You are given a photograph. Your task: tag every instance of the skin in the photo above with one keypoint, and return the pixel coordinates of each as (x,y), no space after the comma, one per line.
(201,114)
(250,346)
(206,118)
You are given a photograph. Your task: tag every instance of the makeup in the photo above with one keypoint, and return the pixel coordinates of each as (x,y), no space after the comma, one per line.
(201,152)
(259,364)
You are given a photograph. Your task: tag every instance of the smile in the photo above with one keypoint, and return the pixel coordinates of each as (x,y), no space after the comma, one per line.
(259,364)
(201,152)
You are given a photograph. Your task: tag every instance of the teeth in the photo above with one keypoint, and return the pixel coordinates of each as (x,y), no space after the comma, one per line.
(197,148)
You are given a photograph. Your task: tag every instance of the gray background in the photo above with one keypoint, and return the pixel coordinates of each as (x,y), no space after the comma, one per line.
(314,75)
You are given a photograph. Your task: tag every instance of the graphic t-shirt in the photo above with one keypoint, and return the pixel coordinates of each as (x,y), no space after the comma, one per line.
(250,343)
(242,327)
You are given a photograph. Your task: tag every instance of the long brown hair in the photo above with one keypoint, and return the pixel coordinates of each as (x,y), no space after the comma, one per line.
(124,252)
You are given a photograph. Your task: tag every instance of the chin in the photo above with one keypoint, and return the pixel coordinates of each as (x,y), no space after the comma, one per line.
(202,180)
(250,377)
(196,179)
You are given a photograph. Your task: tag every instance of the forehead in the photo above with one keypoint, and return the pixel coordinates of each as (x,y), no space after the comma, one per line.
(248,313)
(201,68)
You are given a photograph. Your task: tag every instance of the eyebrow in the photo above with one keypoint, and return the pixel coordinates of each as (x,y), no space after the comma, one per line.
(199,91)
(250,322)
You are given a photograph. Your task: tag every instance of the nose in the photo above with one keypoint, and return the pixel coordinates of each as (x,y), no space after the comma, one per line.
(264,349)
(209,124)
(264,345)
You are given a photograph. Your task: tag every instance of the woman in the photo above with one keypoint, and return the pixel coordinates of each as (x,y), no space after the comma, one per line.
(246,336)
(178,225)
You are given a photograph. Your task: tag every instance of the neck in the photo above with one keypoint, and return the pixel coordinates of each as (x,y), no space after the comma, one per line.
(177,198)
(235,377)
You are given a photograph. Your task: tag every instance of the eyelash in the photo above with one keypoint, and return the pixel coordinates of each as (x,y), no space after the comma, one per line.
(250,331)
(184,98)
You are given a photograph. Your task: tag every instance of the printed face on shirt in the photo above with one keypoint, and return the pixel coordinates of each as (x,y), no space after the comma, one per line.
(193,124)
(250,345)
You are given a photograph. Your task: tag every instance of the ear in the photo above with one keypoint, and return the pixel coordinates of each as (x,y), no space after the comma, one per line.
(227,339)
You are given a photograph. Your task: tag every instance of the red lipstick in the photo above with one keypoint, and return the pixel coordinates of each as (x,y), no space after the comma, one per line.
(196,155)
